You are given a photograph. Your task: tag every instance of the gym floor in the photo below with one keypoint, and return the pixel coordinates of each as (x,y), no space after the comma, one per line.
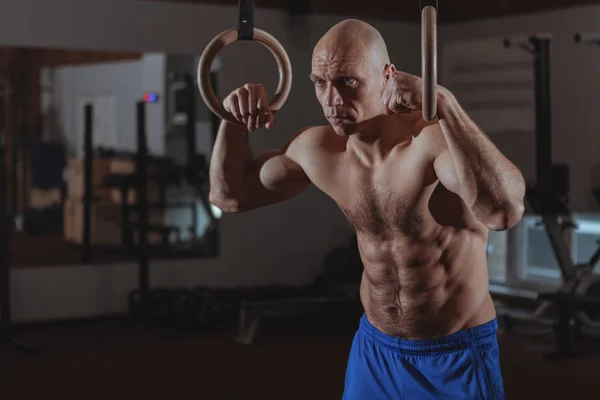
(296,358)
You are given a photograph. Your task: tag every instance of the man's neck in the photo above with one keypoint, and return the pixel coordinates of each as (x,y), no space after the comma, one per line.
(375,138)
(384,131)
(371,130)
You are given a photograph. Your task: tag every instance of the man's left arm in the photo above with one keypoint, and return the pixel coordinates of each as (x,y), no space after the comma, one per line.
(471,166)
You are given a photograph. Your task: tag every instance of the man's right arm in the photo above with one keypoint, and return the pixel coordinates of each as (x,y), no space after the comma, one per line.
(239,181)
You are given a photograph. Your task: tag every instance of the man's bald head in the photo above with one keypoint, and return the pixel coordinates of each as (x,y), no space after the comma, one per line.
(355,37)
(350,65)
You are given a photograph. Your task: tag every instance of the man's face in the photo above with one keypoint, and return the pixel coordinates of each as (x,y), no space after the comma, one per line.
(348,86)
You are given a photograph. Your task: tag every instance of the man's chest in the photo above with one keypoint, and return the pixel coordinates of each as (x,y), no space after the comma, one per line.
(380,197)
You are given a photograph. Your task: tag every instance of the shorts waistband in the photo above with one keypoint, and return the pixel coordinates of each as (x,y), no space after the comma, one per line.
(461,340)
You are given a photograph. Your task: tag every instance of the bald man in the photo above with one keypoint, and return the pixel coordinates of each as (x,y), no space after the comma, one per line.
(421,196)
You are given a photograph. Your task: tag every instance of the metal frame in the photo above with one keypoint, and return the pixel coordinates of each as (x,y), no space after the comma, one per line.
(88,174)
(6,326)
(539,47)
(141,175)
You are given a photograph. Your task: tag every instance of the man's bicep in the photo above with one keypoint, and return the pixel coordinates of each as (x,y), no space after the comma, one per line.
(442,159)
(274,176)
(446,172)
(445,169)
(276,170)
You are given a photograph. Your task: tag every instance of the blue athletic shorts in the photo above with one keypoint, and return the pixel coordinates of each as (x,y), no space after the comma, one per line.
(464,365)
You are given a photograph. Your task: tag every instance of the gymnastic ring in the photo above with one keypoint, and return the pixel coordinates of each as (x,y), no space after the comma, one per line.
(429,61)
(212,49)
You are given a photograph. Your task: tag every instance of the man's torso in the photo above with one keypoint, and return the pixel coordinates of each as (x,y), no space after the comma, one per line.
(423,251)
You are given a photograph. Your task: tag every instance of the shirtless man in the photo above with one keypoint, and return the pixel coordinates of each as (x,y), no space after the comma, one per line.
(421,196)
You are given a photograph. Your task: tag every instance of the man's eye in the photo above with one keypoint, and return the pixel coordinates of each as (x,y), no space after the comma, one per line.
(319,82)
(348,81)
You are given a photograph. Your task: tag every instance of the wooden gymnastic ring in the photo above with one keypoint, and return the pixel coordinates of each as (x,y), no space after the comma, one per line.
(429,61)
(222,40)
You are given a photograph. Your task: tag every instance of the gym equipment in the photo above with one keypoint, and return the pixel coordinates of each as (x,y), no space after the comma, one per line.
(182,312)
(245,31)
(190,125)
(342,266)
(88,174)
(335,290)
(164,173)
(252,313)
(158,306)
(587,38)
(540,196)
(590,286)
(142,201)
(539,47)
(179,311)
(548,198)
(6,326)
(182,115)
(570,306)
(194,169)
(429,59)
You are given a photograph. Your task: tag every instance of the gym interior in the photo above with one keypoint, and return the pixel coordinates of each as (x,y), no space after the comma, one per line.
(115,285)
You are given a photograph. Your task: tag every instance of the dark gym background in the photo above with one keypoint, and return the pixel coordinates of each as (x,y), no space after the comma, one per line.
(71,319)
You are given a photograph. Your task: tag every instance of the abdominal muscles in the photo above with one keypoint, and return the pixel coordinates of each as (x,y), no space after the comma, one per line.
(421,290)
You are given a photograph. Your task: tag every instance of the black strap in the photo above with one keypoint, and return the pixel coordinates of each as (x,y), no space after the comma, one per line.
(246,20)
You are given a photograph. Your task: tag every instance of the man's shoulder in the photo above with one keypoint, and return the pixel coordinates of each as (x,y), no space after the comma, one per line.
(431,137)
(311,142)
(428,130)
(318,132)
(311,137)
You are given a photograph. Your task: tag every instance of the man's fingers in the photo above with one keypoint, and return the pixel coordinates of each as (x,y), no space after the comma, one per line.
(248,105)
(399,100)
(234,108)
(264,116)
(243,105)
(262,98)
(259,121)
(252,122)
(252,99)
(252,108)
(263,109)
(398,103)
(270,121)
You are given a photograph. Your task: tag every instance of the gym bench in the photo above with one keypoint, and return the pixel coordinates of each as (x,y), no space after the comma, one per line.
(567,326)
(251,313)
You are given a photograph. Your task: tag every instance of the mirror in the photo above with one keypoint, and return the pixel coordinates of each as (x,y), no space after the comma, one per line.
(45,95)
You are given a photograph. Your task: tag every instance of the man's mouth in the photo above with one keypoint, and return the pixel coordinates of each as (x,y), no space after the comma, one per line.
(337,119)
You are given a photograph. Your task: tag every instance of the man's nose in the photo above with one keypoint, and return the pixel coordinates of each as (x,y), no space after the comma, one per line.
(333,98)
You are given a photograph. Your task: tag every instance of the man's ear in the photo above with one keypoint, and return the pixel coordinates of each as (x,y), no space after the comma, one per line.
(389,69)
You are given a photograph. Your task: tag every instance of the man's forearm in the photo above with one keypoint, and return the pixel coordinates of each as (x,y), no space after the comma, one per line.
(229,163)
(490,184)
